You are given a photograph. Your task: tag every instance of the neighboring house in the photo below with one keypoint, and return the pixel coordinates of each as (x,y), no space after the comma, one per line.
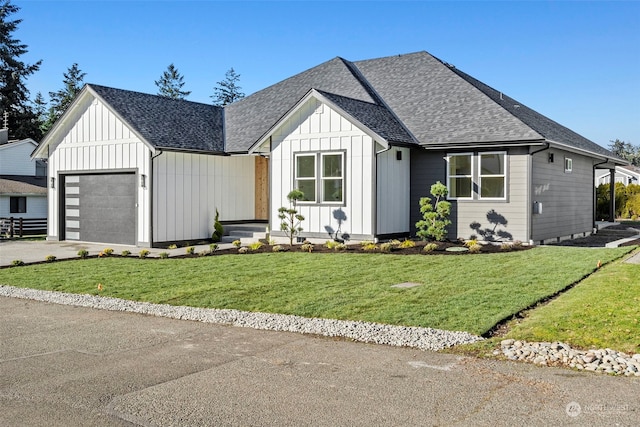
(23,181)
(624,174)
(363,140)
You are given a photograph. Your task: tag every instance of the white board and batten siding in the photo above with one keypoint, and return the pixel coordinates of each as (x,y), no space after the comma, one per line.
(317,128)
(189,188)
(95,141)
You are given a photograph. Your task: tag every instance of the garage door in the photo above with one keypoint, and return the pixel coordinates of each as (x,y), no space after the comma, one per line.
(100,208)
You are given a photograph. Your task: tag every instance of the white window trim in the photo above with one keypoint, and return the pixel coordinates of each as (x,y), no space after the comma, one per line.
(314,179)
(323,178)
(449,176)
(319,176)
(504,175)
(568,165)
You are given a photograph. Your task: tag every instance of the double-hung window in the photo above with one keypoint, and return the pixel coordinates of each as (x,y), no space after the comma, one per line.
(460,175)
(17,204)
(325,186)
(492,175)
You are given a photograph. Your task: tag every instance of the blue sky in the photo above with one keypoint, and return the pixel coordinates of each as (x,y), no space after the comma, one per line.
(576,62)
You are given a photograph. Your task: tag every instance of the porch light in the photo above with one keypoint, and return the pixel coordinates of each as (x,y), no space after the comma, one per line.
(143,181)
(52,182)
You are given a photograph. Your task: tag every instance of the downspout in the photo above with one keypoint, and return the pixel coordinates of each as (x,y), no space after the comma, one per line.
(151,189)
(530,192)
(595,193)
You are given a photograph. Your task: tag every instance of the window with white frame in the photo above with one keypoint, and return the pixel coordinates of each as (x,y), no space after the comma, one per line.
(492,175)
(326,186)
(460,175)
(568,164)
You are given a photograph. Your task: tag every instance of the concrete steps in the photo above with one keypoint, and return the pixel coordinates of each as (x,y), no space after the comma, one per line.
(246,233)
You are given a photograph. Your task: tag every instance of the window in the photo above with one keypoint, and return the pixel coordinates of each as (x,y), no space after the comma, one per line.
(460,174)
(306,176)
(17,205)
(326,187)
(568,164)
(492,175)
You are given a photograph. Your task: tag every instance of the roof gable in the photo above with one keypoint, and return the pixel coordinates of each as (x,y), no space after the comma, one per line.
(436,105)
(247,120)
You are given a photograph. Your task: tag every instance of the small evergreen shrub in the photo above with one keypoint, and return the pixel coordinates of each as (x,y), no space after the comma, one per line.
(255,246)
(307,246)
(370,247)
(475,248)
(190,250)
(470,243)
(125,253)
(17,262)
(163,255)
(386,247)
(277,248)
(336,246)
(50,258)
(290,219)
(143,253)
(430,247)
(107,251)
(218,229)
(395,243)
(435,217)
(83,253)
(172,246)
(366,242)
(407,244)
(213,247)
(236,243)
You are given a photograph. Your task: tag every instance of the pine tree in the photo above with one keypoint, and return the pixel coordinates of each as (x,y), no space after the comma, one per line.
(14,96)
(40,110)
(170,84)
(227,90)
(62,99)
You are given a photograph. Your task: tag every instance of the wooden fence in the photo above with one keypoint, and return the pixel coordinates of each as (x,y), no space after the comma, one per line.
(19,227)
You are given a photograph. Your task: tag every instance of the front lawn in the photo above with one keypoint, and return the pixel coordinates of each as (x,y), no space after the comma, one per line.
(468,292)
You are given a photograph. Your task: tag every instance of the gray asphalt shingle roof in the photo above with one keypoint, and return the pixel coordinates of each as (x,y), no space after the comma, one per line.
(412,98)
(20,184)
(168,123)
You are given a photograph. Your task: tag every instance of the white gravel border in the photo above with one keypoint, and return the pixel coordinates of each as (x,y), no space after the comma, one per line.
(401,336)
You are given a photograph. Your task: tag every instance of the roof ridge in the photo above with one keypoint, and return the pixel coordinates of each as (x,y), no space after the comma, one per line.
(93,85)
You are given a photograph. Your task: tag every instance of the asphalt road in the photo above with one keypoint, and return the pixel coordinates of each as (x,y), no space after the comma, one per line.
(69,366)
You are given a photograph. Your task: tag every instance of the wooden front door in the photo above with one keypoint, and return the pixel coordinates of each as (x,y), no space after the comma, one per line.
(262,188)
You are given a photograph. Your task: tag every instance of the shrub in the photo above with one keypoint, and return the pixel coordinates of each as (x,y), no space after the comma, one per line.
(290,219)
(370,247)
(236,243)
(307,246)
(218,229)
(83,253)
(634,217)
(336,246)
(386,247)
(277,248)
(407,244)
(256,245)
(50,258)
(470,243)
(213,247)
(475,248)
(17,262)
(190,250)
(125,253)
(172,246)
(163,255)
(430,247)
(506,246)
(243,250)
(395,243)
(435,217)
(143,253)
(107,251)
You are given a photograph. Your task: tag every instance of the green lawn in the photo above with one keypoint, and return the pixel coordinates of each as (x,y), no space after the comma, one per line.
(469,292)
(603,311)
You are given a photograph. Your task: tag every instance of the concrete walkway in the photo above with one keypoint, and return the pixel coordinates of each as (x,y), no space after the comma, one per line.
(34,251)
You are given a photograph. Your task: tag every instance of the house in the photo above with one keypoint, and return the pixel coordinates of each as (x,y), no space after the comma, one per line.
(363,140)
(624,174)
(23,182)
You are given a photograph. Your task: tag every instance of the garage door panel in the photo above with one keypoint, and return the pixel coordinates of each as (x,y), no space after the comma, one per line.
(105,209)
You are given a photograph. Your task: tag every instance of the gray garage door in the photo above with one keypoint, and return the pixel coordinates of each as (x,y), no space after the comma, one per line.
(100,208)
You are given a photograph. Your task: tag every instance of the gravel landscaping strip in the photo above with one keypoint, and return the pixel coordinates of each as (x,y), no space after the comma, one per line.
(401,336)
(558,353)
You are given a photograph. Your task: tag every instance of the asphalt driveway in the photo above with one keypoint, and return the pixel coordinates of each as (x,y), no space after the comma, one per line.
(70,366)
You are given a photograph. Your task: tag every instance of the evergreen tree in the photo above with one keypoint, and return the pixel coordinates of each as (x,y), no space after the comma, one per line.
(170,84)
(40,110)
(626,150)
(14,96)
(62,99)
(227,90)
